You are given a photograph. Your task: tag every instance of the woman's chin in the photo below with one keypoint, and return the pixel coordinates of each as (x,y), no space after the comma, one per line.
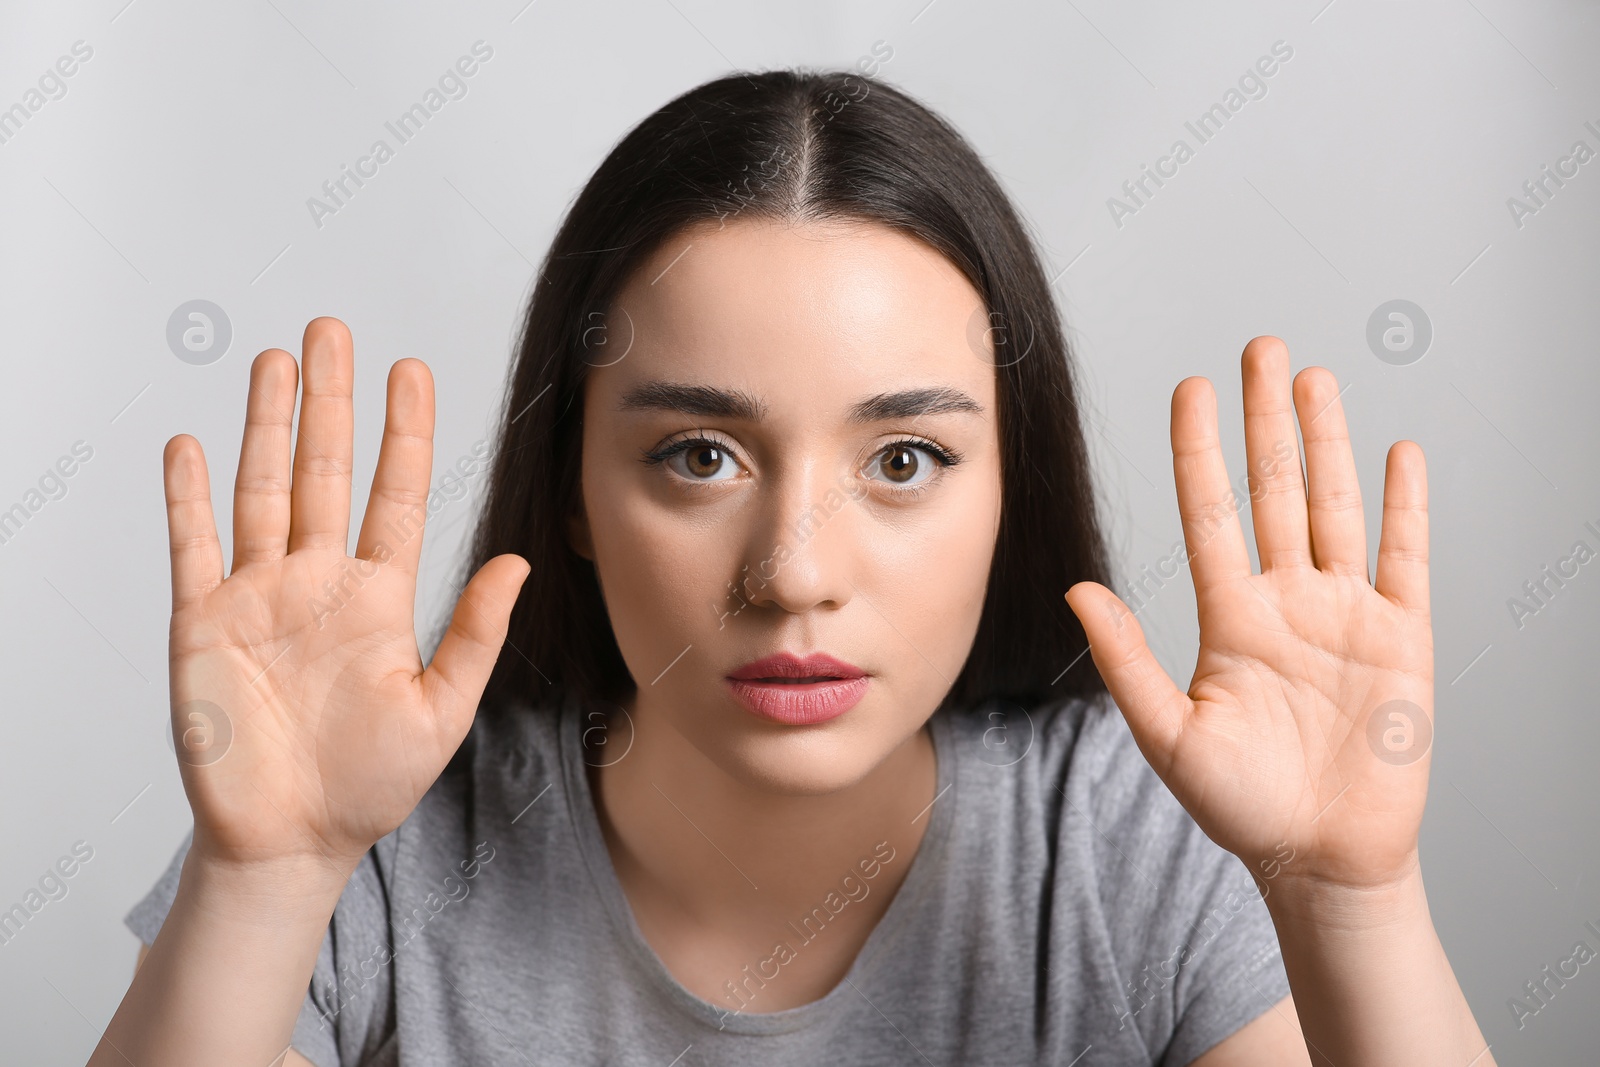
(796,761)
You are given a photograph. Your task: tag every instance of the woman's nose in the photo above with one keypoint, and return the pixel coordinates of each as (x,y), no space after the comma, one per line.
(802,550)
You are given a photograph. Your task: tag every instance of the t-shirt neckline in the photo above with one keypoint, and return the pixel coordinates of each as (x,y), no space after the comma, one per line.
(929,858)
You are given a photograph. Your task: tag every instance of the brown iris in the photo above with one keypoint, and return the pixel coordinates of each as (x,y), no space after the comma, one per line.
(900,463)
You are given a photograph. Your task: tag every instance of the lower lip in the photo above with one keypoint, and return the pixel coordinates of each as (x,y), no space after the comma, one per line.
(799,704)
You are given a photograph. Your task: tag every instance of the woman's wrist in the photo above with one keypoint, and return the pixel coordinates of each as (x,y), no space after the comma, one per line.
(273,893)
(1326,909)
(1370,979)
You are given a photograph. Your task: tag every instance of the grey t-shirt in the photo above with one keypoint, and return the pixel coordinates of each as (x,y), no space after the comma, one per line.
(1061,909)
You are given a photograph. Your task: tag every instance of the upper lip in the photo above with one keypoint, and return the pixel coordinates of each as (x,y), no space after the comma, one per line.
(789,665)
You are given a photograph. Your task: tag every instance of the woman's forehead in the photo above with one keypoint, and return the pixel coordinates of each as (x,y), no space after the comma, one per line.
(764,301)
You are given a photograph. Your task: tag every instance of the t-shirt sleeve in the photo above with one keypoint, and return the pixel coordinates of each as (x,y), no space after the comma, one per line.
(348,1013)
(1195,944)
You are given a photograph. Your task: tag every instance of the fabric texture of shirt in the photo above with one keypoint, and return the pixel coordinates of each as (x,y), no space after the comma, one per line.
(1062,908)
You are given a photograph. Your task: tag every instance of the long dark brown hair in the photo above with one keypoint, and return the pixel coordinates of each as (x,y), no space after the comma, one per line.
(793,145)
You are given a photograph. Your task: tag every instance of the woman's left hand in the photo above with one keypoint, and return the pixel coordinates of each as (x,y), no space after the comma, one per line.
(1302,745)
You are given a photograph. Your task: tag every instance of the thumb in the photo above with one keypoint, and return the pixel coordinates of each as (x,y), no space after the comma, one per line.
(455,679)
(1154,707)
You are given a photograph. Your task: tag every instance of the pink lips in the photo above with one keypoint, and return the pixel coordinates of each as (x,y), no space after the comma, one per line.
(772,688)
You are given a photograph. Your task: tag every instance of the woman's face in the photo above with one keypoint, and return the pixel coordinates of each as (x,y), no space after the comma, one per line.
(819,370)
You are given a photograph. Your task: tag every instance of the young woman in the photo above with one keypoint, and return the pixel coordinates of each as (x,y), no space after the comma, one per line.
(762,733)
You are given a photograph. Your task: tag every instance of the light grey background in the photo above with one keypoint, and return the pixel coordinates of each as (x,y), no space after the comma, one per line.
(1378,166)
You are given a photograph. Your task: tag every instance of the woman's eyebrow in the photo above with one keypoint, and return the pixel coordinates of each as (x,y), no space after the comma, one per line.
(710,401)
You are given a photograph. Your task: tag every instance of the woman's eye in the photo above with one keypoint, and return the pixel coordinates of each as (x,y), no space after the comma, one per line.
(903,465)
(702,461)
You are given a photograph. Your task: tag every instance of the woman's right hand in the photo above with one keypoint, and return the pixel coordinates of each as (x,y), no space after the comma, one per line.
(306,725)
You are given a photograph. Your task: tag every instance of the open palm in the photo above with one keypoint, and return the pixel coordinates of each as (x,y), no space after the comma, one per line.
(306,724)
(1308,718)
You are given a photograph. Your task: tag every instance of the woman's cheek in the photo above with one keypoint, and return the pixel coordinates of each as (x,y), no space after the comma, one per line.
(644,563)
(963,544)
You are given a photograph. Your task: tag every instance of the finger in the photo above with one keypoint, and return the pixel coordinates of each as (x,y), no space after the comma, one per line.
(1154,707)
(391,532)
(191,528)
(1333,497)
(455,679)
(1277,494)
(320,496)
(1206,502)
(1403,541)
(261,488)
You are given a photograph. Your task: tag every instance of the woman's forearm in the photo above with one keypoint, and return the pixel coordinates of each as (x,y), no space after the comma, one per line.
(1370,980)
(226,976)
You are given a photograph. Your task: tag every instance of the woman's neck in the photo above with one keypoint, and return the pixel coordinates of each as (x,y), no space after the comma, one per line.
(708,860)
